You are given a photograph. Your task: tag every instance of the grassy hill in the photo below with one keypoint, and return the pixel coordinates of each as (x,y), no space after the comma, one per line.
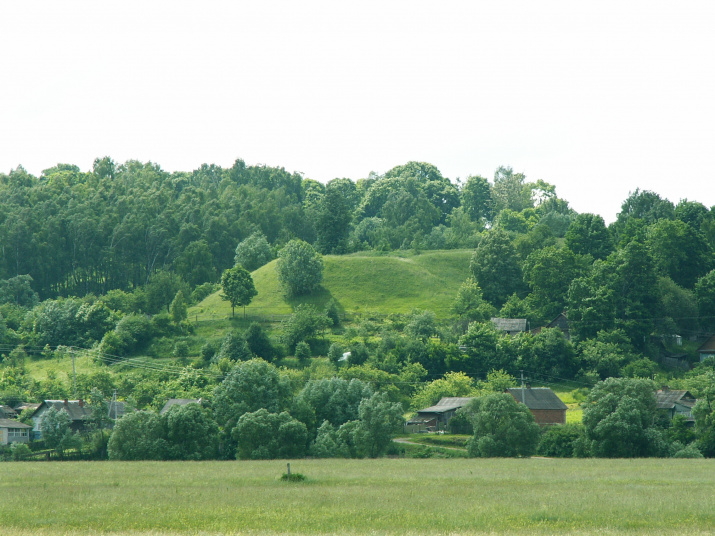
(359,283)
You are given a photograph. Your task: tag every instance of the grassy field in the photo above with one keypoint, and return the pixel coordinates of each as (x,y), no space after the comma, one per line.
(360,283)
(388,496)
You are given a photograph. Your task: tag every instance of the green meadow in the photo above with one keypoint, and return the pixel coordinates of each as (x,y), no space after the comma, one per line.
(361,283)
(385,496)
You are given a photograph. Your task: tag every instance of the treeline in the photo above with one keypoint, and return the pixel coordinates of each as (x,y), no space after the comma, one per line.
(114,227)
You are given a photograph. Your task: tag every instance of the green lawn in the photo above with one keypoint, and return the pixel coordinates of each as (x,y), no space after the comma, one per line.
(360,283)
(387,496)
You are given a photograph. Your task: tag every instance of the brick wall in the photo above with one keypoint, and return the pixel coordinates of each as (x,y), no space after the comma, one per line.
(549,416)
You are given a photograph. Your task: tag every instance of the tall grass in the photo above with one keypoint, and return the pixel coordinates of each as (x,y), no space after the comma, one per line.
(388,496)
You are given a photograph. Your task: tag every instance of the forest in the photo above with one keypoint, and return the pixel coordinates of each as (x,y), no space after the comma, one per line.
(115,261)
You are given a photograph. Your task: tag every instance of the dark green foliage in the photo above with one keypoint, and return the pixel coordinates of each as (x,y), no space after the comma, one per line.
(300,268)
(195,263)
(238,288)
(559,441)
(253,252)
(502,427)
(261,435)
(248,387)
(302,351)
(705,296)
(550,353)
(18,290)
(335,353)
(192,433)
(470,305)
(138,436)
(304,323)
(588,235)
(259,343)
(332,312)
(334,214)
(496,268)
(132,333)
(334,400)
(328,443)
(476,198)
(178,309)
(460,424)
(234,347)
(162,289)
(549,272)
(607,354)
(379,420)
(422,325)
(618,418)
(642,205)
(680,251)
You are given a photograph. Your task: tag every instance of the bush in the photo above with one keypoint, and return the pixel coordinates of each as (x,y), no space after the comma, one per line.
(302,351)
(559,441)
(300,268)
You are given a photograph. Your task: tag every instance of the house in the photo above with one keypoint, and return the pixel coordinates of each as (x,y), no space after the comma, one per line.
(13,432)
(436,418)
(675,402)
(511,326)
(543,403)
(78,410)
(178,402)
(560,322)
(6,412)
(707,349)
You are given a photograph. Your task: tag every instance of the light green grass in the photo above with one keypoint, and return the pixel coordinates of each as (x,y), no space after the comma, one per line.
(39,368)
(388,496)
(381,284)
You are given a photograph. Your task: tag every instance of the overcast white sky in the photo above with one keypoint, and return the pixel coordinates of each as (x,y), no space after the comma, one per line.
(597,98)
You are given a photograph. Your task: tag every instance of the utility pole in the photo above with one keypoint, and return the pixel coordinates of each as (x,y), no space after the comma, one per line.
(74,375)
(113,406)
(522,387)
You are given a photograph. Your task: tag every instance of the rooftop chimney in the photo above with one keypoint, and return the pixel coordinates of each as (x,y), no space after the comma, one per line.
(67,402)
(81,403)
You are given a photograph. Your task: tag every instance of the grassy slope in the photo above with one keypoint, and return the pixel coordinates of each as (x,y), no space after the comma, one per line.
(388,496)
(359,283)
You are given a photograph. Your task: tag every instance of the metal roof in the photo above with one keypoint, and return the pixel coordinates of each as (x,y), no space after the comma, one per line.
(537,397)
(708,346)
(510,324)
(447,404)
(178,402)
(666,398)
(10,423)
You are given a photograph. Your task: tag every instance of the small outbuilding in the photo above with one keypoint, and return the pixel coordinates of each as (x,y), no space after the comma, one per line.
(12,431)
(511,326)
(675,402)
(707,349)
(435,418)
(546,407)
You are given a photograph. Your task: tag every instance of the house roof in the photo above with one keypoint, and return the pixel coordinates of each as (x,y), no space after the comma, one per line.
(10,423)
(25,405)
(537,397)
(178,402)
(708,346)
(76,409)
(447,404)
(6,412)
(667,398)
(510,324)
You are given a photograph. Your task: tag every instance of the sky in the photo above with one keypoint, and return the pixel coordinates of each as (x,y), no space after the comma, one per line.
(598,98)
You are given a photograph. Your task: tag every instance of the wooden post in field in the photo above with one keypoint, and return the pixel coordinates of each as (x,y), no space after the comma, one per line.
(289,469)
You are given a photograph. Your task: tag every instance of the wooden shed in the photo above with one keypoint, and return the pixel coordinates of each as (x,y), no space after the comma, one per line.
(543,403)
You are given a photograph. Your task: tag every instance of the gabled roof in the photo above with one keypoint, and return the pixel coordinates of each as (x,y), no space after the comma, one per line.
(708,346)
(6,412)
(667,398)
(178,402)
(11,423)
(447,404)
(537,397)
(510,324)
(76,409)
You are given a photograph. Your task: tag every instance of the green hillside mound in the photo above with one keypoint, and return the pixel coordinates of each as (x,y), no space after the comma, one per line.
(359,283)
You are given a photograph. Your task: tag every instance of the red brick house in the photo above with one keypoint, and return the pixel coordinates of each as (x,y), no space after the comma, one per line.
(543,403)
